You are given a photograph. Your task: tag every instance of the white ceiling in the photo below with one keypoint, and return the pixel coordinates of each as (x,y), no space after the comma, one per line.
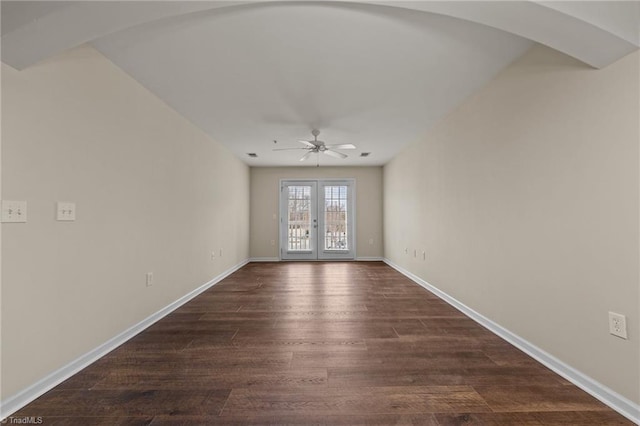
(372,75)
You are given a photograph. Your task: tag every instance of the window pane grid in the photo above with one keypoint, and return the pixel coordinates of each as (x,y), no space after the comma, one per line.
(335,218)
(299,218)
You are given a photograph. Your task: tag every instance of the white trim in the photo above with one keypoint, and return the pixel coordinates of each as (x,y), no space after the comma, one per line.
(357,259)
(619,403)
(27,395)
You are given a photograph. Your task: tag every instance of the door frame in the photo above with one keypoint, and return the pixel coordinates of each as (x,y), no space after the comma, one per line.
(319,254)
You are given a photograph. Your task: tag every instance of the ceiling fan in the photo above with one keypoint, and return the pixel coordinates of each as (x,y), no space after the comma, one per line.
(316,146)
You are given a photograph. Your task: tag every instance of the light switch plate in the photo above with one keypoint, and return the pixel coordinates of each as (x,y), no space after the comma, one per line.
(14,211)
(65,211)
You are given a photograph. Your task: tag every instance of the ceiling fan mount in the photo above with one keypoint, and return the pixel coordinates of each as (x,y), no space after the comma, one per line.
(317,147)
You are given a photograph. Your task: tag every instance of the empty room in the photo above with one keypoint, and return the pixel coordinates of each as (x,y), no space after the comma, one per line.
(320,212)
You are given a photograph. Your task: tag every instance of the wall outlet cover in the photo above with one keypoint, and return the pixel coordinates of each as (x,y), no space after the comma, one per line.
(618,325)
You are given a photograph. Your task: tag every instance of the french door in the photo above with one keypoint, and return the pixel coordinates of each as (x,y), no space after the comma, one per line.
(317,219)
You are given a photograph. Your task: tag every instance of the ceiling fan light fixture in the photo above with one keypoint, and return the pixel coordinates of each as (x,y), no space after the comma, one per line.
(319,147)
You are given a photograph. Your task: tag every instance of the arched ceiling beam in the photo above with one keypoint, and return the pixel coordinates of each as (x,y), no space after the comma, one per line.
(571,30)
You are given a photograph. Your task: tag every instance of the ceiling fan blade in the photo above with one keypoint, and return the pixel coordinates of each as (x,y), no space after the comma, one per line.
(304,157)
(309,144)
(335,154)
(342,146)
(286,149)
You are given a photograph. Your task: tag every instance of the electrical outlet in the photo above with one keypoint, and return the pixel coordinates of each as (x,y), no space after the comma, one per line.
(273,242)
(406,250)
(149,279)
(213,255)
(618,325)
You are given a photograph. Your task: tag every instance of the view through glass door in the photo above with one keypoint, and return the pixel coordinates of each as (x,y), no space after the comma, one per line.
(316,219)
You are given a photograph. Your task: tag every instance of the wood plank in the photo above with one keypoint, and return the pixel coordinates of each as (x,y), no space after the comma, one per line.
(538,398)
(219,378)
(391,361)
(534,419)
(400,375)
(289,344)
(301,420)
(377,400)
(97,421)
(125,403)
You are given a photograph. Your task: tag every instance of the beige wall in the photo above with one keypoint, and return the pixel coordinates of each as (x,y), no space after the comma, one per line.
(153,193)
(265,184)
(525,199)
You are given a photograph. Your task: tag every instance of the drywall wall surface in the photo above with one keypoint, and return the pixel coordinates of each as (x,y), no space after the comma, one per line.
(152,193)
(525,202)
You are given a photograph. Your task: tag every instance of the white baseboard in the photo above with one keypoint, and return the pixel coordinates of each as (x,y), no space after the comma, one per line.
(357,259)
(24,397)
(619,403)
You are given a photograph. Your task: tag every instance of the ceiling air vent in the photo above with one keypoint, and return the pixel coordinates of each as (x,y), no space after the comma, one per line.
(364,154)
(252,154)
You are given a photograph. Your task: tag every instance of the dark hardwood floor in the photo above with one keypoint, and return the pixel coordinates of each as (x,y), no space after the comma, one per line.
(318,343)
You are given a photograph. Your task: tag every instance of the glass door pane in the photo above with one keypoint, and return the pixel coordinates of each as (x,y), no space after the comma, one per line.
(299,218)
(336,219)
(336,212)
(298,223)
